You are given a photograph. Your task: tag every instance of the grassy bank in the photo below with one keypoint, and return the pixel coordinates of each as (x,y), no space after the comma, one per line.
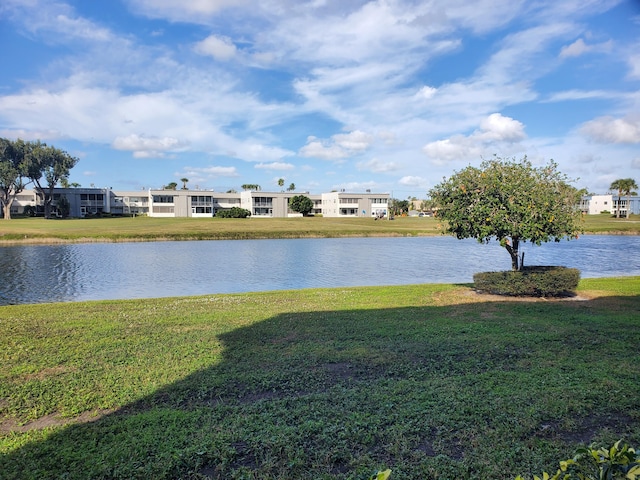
(39,230)
(432,381)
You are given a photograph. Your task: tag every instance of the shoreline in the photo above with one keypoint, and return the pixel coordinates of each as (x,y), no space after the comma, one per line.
(141,239)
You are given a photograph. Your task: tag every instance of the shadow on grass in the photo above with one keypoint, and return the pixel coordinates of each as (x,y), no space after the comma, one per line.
(477,390)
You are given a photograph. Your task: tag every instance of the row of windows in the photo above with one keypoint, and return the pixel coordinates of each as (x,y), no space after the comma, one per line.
(92,197)
(163,209)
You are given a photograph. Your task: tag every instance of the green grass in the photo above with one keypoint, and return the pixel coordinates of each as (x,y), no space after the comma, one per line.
(152,228)
(432,381)
(39,230)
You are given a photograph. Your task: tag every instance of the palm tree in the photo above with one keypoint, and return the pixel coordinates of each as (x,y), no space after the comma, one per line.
(184,183)
(291,188)
(281,183)
(625,186)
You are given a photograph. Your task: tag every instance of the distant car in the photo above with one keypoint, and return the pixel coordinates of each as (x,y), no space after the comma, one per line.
(423,214)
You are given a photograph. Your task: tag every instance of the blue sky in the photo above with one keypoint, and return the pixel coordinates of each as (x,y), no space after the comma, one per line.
(390,96)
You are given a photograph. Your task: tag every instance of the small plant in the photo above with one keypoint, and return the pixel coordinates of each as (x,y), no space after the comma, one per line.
(619,462)
(234,212)
(534,281)
(381,475)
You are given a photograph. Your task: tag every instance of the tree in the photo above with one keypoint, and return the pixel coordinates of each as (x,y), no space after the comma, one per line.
(47,166)
(510,201)
(281,183)
(398,207)
(292,187)
(170,186)
(625,186)
(13,173)
(184,183)
(251,186)
(301,204)
(64,206)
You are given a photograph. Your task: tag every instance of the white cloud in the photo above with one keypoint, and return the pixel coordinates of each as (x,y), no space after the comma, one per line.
(213,171)
(147,147)
(613,130)
(576,49)
(634,66)
(503,129)
(580,95)
(220,48)
(377,166)
(496,132)
(196,11)
(355,141)
(426,92)
(280,166)
(339,146)
(412,181)
(579,48)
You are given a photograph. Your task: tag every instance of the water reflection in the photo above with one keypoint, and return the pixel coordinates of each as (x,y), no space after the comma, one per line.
(32,274)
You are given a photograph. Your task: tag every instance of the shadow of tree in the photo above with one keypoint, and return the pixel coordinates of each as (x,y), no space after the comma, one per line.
(475,390)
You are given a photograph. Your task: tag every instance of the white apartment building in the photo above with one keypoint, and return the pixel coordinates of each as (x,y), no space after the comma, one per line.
(201,203)
(596,204)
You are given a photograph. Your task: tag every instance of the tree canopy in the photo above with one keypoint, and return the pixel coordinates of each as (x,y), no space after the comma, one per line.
(510,201)
(25,162)
(47,165)
(301,204)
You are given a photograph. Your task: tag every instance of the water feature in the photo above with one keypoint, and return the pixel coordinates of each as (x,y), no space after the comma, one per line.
(75,272)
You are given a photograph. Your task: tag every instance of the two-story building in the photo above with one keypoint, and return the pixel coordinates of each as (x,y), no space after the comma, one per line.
(201,203)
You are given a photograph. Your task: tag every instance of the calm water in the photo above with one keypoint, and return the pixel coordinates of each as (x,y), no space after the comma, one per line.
(34,274)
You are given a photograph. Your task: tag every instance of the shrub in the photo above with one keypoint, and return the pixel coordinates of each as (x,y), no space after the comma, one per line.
(534,281)
(234,212)
(615,463)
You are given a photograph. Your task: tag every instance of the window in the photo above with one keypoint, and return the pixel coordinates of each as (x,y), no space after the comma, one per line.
(163,199)
(263,202)
(92,197)
(163,209)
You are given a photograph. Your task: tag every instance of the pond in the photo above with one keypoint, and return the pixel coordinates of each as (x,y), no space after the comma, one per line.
(76,272)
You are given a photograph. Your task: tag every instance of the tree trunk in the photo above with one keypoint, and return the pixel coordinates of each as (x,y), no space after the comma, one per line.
(512,248)
(6,208)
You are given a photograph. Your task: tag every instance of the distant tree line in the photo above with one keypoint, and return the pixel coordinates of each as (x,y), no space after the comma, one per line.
(24,162)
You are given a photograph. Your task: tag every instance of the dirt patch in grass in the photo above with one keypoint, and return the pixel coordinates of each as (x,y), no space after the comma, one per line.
(10,425)
(583,430)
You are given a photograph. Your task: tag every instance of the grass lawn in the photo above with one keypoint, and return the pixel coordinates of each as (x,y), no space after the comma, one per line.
(431,381)
(39,230)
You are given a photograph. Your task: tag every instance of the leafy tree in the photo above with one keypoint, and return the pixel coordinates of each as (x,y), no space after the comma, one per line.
(510,201)
(625,186)
(47,166)
(398,207)
(184,183)
(281,183)
(13,173)
(251,186)
(170,186)
(292,187)
(64,206)
(301,204)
